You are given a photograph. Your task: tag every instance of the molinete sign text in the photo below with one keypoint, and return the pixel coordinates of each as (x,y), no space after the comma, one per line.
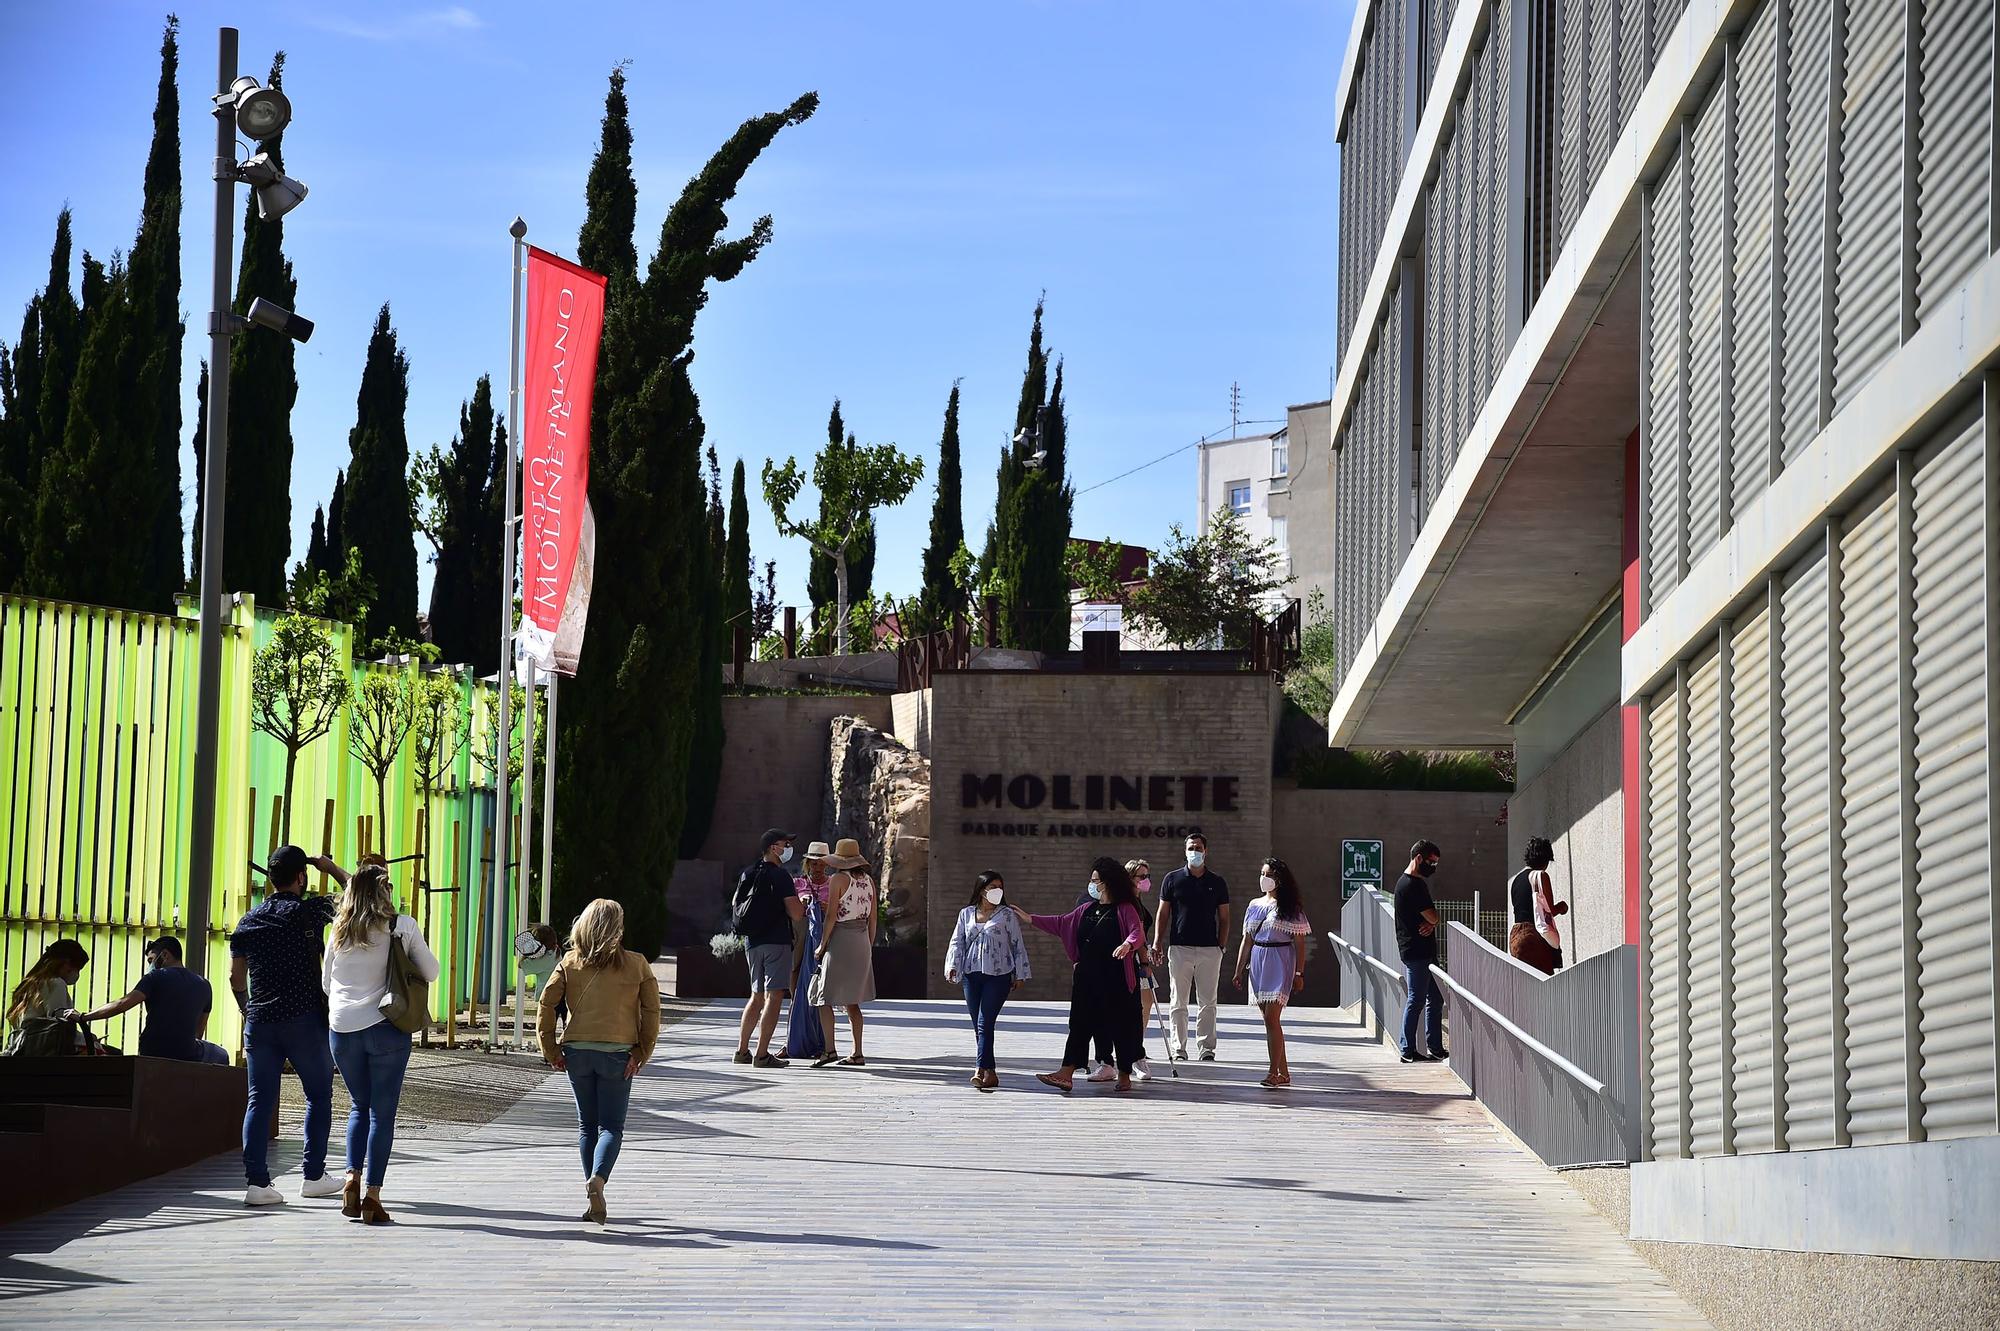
(1049,798)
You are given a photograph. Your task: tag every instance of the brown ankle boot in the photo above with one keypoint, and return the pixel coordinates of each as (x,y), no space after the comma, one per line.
(372,1212)
(350,1199)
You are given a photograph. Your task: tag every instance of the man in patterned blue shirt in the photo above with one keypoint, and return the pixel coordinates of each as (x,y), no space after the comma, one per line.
(274,973)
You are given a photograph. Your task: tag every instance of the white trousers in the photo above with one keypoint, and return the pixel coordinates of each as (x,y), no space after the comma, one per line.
(1196,973)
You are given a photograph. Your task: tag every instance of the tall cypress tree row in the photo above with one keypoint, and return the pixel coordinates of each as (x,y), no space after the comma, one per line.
(1036,574)
(316,561)
(943,598)
(1002,560)
(153,407)
(377,519)
(336,523)
(263,385)
(736,563)
(44,368)
(621,793)
(465,593)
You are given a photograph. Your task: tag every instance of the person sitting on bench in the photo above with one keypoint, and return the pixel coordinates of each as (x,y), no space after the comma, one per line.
(177,1006)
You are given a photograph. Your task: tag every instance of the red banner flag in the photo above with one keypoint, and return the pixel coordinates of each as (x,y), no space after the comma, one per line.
(564,325)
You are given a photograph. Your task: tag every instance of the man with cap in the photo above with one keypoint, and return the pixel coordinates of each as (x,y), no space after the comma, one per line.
(274,975)
(765,903)
(177,1006)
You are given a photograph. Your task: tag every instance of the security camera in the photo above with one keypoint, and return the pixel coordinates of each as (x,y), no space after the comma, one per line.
(280,320)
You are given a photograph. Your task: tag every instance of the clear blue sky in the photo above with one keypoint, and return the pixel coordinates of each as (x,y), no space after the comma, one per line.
(1165,170)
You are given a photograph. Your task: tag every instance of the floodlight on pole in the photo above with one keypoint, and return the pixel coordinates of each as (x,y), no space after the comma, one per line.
(261,113)
(277,193)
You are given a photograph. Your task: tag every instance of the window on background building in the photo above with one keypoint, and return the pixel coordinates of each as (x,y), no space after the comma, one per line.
(1239,498)
(1281,538)
(1281,457)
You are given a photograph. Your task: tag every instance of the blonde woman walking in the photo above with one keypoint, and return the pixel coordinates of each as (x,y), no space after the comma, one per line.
(371,1053)
(614,1019)
(846,952)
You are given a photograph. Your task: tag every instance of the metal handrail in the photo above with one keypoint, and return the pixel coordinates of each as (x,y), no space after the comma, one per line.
(1376,962)
(1575,1073)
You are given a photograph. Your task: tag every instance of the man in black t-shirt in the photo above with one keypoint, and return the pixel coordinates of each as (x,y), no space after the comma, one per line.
(771,903)
(1416,943)
(1194,921)
(177,1007)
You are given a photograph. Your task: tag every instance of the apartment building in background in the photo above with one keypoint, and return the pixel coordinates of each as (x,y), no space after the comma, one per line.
(1662,450)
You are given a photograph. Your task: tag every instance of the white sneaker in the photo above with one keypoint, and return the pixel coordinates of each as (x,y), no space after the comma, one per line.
(1105,1072)
(1142,1070)
(326,1185)
(256,1196)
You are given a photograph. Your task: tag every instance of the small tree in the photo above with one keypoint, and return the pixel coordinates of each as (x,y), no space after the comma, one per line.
(491,733)
(438,730)
(1201,590)
(764,602)
(379,724)
(346,597)
(297,688)
(853,481)
(1312,682)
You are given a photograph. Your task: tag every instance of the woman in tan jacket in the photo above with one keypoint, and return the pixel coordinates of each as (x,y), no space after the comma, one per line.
(614,1018)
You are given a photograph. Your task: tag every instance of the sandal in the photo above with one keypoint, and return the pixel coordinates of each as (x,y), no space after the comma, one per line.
(1270,1081)
(825,1059)
(854,1061)
(1050,1079)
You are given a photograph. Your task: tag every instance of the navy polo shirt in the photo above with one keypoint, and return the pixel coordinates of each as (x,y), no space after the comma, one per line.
(280,938)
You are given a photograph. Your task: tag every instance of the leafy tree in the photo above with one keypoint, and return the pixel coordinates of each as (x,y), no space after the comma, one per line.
(348,596)
(377,518)
(764,603)
(853,481)
(738,608)
(298,685)
(821,585)
(378,725)
(439,728)
(1313,682)
(943,598)
(516,734)
(621,794)
(263,386)
(1202,590)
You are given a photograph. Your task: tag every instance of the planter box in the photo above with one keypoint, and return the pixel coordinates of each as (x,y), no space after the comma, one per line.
(699,973)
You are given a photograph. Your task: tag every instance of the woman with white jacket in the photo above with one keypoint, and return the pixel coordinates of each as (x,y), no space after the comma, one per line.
(371,1053)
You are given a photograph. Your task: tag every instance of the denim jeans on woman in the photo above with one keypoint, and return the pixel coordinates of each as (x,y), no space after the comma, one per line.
(266,1047)
(597,1079)
(372,1062)
(983,996)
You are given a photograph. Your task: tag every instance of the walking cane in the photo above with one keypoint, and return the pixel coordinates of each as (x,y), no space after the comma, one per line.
(1160,1011)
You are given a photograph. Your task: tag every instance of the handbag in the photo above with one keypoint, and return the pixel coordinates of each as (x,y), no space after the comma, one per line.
(407,1003)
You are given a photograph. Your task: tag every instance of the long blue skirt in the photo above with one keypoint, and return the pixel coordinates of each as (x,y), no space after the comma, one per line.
(803,1037)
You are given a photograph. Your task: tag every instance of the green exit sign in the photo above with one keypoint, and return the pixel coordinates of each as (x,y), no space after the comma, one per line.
(1360,866)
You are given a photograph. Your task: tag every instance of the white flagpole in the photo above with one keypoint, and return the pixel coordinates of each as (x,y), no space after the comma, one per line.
(549,804)
(525,887)
(502,805)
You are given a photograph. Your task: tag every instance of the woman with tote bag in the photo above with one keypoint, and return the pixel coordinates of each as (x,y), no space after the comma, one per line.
(367,973)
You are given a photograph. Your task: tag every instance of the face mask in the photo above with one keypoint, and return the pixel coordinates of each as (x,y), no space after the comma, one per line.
(1145,884)
(1268,883)
(785,855)
(1197,858)
(1096,890)
(1427,868)
(993,895)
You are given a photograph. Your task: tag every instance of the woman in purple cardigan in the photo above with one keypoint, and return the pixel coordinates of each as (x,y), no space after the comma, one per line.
(1099,937)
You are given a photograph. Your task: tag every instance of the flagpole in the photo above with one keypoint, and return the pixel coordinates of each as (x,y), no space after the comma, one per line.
(503,746)
(549,804)
(524,887)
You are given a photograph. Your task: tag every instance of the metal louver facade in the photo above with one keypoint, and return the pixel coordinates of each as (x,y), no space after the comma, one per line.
(1665,960)
(1756,955)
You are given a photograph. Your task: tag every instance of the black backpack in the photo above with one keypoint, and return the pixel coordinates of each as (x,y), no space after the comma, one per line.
(751,912)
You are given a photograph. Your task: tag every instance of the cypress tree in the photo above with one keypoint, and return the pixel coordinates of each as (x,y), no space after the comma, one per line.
(621,792)
(465,606)
(377,521)
(263,385)
(200,442)
(316,543)
(1037,574)
(485,652)
(153,400)
(336,523)
(1002,560)
(819,571)
(611,196)
(44,368)
(943,598)
(736,564)
(13,459)
(704,772)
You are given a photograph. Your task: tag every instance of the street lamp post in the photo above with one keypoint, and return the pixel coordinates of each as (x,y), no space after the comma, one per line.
(261,113)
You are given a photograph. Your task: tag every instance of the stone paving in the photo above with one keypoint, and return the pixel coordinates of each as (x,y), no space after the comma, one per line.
(1368,1195)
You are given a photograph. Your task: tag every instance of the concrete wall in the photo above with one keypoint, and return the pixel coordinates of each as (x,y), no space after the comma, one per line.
(1159,729)
(913,720)
(1576,803)
(1307,499)
(774,768)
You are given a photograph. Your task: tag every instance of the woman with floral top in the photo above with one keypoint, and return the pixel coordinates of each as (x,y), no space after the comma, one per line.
(989,959)
(1275,931)
(1100,937)
(846,952)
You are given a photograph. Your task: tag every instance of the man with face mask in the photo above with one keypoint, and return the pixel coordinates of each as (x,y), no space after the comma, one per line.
(762,910)
(177,1006)
(1193,920)
(1416,942)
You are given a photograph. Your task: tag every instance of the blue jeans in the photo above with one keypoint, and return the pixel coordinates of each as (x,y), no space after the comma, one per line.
(602,1092)
(983,996)
(372,1063)
(1424,997)
(207,1051)
(266,1047)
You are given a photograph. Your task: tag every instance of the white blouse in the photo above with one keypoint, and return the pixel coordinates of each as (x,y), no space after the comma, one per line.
(356,979)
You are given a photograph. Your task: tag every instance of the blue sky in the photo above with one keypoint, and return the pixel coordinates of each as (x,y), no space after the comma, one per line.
(1165,170)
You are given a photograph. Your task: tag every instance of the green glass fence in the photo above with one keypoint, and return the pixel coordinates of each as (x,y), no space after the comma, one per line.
(97,712)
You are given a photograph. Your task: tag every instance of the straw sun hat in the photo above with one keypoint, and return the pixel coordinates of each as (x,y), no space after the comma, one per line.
(846,855)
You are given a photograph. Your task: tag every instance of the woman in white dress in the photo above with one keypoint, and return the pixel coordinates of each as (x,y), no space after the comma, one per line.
(1274,953)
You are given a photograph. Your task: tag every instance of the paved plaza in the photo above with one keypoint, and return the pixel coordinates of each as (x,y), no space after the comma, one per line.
(1369,1194)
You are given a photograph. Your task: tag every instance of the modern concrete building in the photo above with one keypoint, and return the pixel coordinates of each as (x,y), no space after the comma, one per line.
(1663,451)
